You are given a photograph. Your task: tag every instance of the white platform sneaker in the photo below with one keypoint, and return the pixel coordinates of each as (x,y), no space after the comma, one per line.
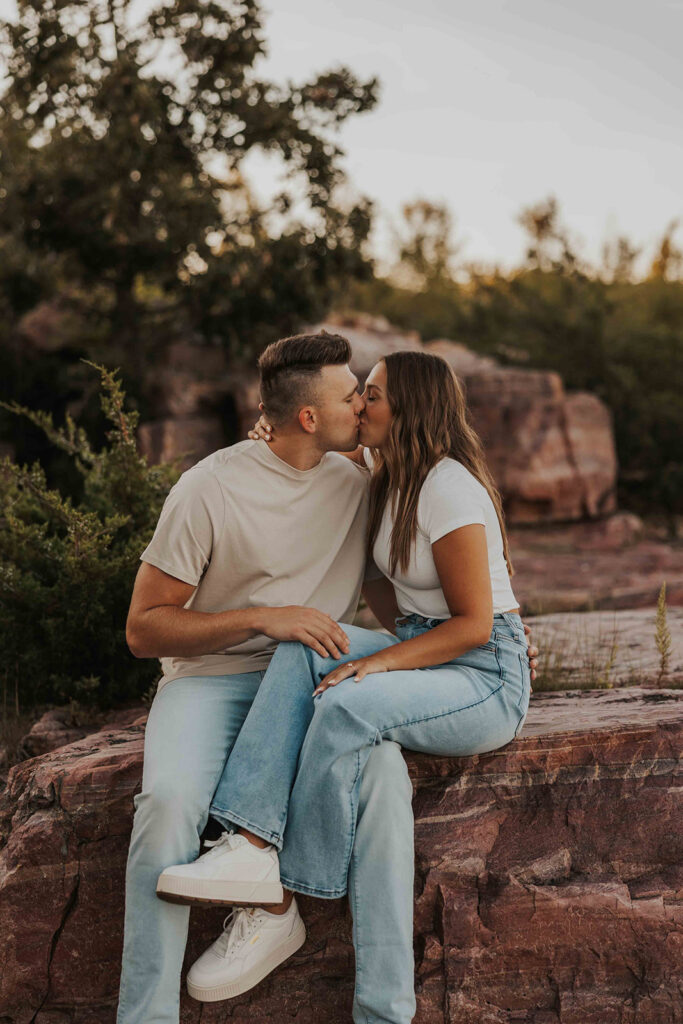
(252,945)
(232,871)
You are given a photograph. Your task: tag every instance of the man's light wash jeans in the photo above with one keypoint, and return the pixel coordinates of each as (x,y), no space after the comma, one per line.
(192,726)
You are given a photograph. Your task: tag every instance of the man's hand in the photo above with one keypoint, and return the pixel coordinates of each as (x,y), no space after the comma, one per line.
(308,626)
(532,652)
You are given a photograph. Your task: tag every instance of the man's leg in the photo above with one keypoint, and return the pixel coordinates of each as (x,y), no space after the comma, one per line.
(192,726)
(381,874)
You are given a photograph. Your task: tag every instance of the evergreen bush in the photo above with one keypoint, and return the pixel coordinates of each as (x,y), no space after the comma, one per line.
(67,568)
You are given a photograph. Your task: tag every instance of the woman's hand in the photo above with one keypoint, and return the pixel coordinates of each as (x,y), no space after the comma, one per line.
(359,668)
(261,431)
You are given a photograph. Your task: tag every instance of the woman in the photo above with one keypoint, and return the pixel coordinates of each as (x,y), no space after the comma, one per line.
(453,680)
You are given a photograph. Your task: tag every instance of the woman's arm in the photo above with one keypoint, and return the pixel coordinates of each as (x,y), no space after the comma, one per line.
(356,456)
(461,559)
(380,597)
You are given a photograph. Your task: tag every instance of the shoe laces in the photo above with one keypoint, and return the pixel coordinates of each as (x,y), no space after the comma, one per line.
(237,927)
(229,839)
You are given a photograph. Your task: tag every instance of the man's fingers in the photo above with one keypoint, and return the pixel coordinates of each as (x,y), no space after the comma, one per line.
(332,649)
(335,630)
(314,644)
(326,629)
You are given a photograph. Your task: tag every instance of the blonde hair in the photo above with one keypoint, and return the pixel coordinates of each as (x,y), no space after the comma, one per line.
(430,422)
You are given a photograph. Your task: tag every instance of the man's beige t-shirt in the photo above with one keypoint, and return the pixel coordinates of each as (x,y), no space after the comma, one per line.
(249,530)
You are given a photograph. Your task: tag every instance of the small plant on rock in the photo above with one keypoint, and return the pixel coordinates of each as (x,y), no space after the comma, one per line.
(662,635)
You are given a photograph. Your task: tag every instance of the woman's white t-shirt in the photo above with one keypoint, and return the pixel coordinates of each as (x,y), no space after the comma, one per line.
(451,497)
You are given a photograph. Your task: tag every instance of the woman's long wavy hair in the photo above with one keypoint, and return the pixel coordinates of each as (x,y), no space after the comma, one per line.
(429,423)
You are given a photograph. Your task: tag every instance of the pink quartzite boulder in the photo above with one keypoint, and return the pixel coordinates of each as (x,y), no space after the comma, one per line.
(549,880)
(552,454)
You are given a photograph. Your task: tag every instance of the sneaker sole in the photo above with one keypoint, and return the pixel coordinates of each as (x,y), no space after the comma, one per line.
(204,890)
(255,975)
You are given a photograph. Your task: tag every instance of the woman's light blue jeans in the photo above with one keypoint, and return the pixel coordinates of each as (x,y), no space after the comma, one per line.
(294,773)
(192,726)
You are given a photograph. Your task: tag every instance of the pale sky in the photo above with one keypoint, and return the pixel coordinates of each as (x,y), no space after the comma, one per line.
(490,105)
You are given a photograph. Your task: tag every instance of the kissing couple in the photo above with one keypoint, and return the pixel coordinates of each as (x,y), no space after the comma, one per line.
(278,719)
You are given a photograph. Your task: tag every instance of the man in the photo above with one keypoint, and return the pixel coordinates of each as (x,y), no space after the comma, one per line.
(255,545)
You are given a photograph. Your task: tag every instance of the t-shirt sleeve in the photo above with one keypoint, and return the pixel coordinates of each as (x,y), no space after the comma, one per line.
(184,536)
(447,502)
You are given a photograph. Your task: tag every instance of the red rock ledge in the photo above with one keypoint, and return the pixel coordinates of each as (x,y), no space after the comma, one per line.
(549,881)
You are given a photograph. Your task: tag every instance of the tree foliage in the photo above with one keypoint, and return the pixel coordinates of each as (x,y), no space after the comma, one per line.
(67,569)
(121,194)
(599,328)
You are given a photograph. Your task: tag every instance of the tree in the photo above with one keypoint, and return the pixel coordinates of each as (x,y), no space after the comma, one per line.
(426,249)
(550,247)
(668,260)
(122,205)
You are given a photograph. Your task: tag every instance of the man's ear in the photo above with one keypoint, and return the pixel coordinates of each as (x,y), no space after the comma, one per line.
(308,419)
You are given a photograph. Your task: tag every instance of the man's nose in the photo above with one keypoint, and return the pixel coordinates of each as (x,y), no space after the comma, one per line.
(360,404)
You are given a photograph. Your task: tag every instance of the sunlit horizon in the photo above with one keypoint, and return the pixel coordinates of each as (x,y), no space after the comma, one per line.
(493,107)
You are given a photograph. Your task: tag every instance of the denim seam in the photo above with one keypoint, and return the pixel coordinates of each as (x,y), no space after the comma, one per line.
(334,893)
(354,897)
(442,714)
(354,810)
(263,833)
(523,674)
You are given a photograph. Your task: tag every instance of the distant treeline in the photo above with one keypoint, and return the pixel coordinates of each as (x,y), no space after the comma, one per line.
(126,224)
(600,328)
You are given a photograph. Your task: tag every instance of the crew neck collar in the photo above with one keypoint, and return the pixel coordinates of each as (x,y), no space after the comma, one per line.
(283,467)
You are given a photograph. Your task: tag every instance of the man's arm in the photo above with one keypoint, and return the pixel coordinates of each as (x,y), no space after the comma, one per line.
(159,626)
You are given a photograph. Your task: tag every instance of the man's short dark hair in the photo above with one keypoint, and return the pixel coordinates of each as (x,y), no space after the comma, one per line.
(289,369)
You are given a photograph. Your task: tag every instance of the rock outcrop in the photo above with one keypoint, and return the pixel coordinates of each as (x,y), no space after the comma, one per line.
(594,565)
(552,453)
(549,880)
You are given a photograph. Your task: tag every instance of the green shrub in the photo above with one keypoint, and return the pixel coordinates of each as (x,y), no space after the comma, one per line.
(67,569)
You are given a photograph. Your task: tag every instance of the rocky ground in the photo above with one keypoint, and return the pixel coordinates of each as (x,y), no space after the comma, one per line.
(548,880)
(613,563)
(605,649)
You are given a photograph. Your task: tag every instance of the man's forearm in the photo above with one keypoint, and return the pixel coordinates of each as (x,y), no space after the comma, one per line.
(171,632)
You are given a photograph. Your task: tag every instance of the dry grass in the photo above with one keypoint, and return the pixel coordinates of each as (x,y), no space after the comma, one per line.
(567,661)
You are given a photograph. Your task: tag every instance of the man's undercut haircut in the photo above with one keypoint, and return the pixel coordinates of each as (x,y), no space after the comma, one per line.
(290,370)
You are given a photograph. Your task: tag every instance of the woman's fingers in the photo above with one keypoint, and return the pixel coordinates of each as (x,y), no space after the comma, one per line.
(261,431)
(336,676)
